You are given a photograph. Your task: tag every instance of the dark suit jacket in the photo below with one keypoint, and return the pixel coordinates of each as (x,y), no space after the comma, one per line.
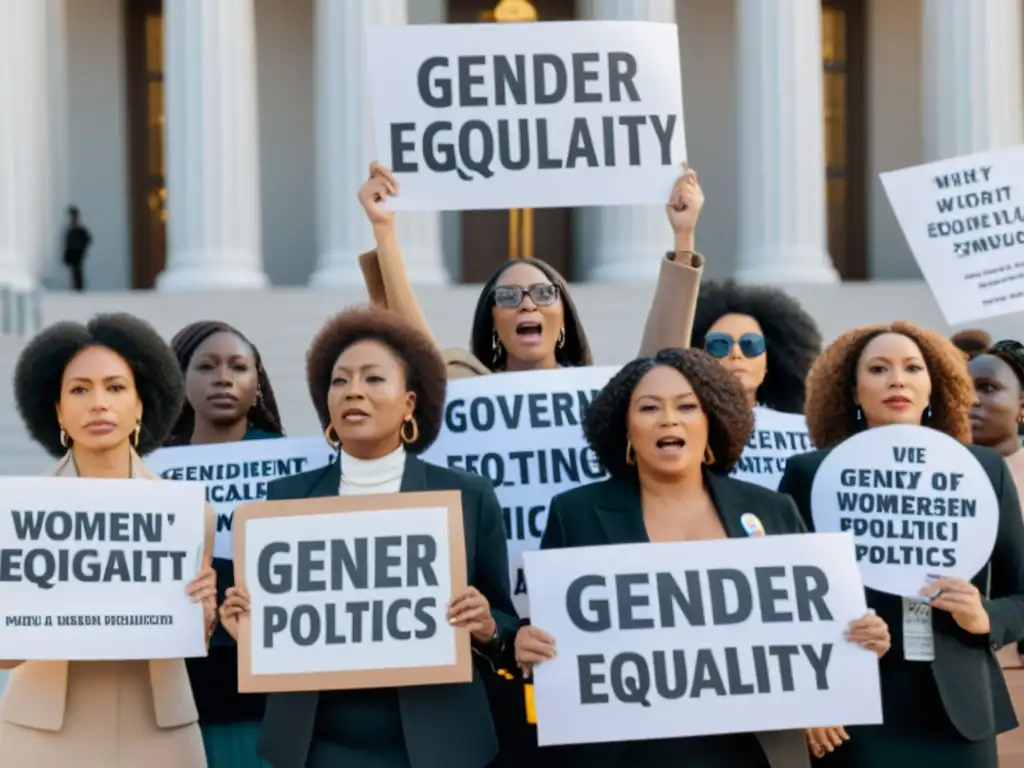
(966,672)
(609,512)
(445,726)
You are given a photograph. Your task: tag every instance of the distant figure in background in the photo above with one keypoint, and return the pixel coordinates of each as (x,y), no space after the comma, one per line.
(972,342)
(76,242)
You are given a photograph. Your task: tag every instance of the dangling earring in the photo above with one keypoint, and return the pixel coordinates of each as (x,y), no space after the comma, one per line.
(64,439)
(561,337)
(928,412)
(860,414)
(332,437)
(630,453)
(137,433)
(495,348)
(709,455)
(413,435)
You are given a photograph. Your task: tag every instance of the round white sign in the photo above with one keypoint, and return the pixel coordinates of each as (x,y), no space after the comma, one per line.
(919,506)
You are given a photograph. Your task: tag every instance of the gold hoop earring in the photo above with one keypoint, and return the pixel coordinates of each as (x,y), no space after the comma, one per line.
(630,453)
(331,436)
(409,439)
(136,434)
(709,455)
(65,440)
(495,348)
(561,337)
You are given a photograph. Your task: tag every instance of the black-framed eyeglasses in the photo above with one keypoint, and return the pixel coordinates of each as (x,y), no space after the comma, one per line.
(719,344)
(511,296)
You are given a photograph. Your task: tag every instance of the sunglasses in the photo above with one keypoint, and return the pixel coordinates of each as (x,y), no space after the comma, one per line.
(718,344)
(511,296)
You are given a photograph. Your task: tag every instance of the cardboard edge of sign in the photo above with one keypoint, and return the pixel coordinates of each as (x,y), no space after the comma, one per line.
(459,672)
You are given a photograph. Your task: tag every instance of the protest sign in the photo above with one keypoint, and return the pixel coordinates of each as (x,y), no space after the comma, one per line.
(550,114)
(96,569)
(234,473)
(351,592)
(964,224)
(919,505)
(748,635)
(776,437)
(524,432)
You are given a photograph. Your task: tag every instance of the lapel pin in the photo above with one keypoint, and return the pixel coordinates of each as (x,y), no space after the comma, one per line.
(752,525)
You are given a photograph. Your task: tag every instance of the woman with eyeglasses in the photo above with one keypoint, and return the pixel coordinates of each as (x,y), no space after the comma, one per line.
(763,337)
(996,417)
(525,318)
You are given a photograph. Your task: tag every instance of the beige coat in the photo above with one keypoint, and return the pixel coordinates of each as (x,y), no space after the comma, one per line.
(669,320)
(85,714)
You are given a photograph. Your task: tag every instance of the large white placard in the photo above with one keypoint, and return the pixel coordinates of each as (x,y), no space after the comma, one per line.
(235,473)
(524,432)
(919,506)
(96,569)
(776,437)
(349,591)
(671,640)
(963,222)
(549,114)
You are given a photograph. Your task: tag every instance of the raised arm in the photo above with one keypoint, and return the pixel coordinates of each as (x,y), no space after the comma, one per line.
(384,273)
(670,319)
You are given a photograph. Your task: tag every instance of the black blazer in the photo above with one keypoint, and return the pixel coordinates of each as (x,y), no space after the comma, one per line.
(445,726)
(966,672)
(610,512)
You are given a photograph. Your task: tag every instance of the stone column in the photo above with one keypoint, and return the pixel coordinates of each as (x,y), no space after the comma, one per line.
(782,219)
(214,237)
(973,88)
(24,166)
(624,243)
(345,145)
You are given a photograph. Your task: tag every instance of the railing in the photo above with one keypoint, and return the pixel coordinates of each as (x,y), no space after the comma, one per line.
(21,312)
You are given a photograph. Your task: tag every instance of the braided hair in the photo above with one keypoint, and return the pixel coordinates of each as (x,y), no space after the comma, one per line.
(1012,353)
(263,415)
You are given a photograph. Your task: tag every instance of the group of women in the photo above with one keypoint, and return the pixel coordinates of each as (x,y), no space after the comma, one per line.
(668,428)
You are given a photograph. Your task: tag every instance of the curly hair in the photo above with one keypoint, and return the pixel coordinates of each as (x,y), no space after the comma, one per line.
(40,370)
(831,412)
(792,337)
(263,415)
(424,367)
(576,350)
(730,419)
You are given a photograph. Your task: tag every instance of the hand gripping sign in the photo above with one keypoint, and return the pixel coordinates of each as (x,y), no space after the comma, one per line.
(919,505)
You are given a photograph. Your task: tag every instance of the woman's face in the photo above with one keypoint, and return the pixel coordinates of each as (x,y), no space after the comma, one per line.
(666,424)
(528,317)
(368,399)
(893,384)
(737,342)
(999,403)
(221,380)
(99,407)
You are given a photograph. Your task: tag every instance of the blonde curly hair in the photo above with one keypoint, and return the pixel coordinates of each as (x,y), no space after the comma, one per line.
(831,412)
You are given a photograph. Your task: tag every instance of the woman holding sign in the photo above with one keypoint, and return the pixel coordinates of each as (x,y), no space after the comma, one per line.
(98,396)
(996,419)
(669,428)
(943,695)
(378,385)
(525,318)
(228,398)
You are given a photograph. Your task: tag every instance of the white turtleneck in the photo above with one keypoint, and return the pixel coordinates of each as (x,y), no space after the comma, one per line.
(361,476)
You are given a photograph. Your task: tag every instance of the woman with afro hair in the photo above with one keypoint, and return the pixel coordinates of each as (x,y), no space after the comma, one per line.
(669,428)
(763,337)
(378,385)
(228,398)
(99,396)
(946,713)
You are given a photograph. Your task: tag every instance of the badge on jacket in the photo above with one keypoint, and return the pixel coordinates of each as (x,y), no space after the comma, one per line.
(752,524)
